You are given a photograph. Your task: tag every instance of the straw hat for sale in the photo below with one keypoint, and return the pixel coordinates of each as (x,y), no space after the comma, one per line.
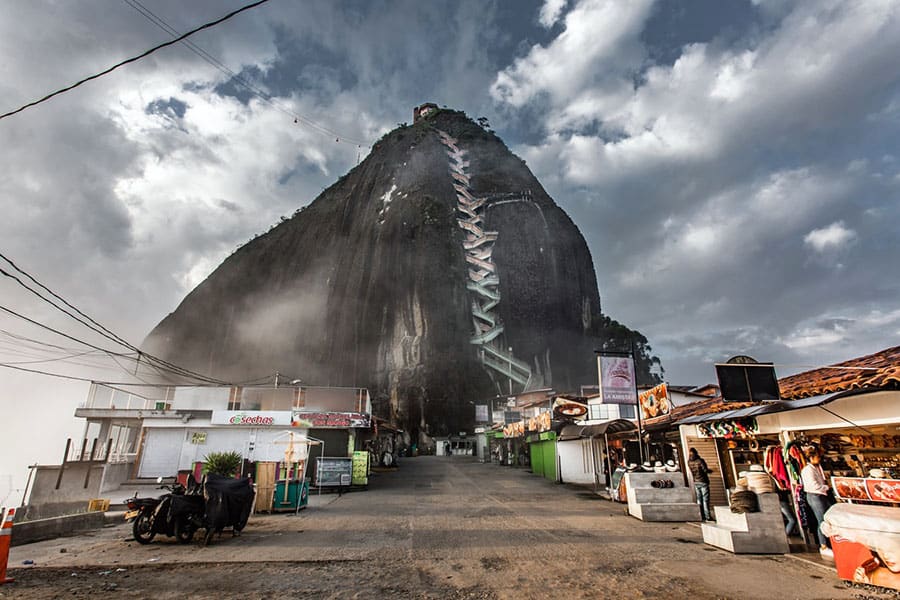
(671,467)
(631,467)
(877,474)
(658,467)
(647,466)
(757,468)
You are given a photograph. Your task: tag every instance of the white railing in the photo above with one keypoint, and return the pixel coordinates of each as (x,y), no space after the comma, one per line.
(324,399)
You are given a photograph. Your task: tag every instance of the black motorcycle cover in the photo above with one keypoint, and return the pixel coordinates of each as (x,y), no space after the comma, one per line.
(188,504)
(228,502)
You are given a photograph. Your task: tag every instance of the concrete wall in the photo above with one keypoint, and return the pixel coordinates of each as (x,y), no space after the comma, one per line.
(72,496)
(114,475)
(48,529)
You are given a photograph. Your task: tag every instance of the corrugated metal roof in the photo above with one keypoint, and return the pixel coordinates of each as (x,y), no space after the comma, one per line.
(574,432)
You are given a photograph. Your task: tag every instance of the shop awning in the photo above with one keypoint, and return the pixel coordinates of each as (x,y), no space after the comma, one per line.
(574,432)
(764,409)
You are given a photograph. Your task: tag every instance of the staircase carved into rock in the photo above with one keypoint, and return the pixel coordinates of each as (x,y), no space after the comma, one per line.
(483,281)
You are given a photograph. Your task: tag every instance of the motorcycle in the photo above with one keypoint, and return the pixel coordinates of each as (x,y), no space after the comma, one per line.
(177,514)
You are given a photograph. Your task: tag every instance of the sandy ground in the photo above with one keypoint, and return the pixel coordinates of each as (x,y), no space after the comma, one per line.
(439,527)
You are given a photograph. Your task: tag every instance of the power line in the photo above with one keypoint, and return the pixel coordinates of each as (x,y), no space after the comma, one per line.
(134,58)
(209,58)
(95,326)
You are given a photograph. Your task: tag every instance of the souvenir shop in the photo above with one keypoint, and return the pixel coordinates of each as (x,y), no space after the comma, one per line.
(858,434)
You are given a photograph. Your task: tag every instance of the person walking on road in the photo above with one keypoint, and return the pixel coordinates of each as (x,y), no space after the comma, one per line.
(700,473)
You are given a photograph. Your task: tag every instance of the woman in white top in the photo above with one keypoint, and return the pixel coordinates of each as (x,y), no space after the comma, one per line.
(815,485)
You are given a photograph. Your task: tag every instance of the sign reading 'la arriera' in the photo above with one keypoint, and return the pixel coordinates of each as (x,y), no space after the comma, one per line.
(251,417)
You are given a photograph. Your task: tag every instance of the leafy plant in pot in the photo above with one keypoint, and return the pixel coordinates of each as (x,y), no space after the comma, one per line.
(223,463)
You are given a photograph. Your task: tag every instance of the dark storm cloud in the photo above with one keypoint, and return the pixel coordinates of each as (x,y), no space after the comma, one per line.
(752,166)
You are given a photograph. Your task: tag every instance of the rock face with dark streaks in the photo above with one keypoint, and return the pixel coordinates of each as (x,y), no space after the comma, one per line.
(438,272)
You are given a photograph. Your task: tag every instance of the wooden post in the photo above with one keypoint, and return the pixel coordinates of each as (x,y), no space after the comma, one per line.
(62,465)
(90,463)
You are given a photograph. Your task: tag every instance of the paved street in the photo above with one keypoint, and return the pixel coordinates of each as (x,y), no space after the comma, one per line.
(439,527)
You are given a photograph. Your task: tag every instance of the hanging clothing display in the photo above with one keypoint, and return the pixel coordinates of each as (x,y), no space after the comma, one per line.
(774,464)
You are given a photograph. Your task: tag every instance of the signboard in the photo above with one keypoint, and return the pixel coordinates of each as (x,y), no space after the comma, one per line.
(334,471)
(198,437)
(541,422)
(511,416)
(744,381)
(481,413)
(655,402)
(866,489)
(514,430)
(616,379)
(251,418)
(331,420)
(566,409)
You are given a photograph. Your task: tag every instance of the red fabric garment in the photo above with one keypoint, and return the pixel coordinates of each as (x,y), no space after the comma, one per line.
(774,463)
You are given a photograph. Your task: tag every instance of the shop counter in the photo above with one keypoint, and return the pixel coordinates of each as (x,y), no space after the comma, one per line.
(866,543)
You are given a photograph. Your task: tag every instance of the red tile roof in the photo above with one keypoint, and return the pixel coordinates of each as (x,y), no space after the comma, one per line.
(700,407)
(882,370)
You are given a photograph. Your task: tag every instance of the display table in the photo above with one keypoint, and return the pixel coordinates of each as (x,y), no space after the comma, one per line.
(749,533)
(649,503)
(866,543)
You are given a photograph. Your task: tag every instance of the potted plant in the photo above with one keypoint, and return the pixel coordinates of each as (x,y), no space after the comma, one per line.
(223,463)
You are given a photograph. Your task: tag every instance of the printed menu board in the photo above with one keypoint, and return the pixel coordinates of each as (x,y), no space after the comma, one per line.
(864,489)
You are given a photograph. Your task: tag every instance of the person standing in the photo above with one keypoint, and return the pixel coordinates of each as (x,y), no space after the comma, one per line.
(700,474)
(815,486)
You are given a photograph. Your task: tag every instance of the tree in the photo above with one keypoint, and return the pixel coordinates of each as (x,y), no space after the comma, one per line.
(616,337)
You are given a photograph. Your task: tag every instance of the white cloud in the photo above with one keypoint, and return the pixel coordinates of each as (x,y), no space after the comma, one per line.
(551,11)
(595,31)
(822,65)
(833,237)
(714,236)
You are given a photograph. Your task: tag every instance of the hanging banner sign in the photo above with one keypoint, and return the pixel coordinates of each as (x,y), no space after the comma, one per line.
(729,429)
(565,409)
(249,418)
(331,420)
(655,402)
(616,375)
(541,422)
(514,430)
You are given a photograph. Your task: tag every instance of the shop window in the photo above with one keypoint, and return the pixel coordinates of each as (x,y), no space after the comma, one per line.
(600,412)
(627,411)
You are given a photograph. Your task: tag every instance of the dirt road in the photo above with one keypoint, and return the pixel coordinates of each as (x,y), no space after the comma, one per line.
(439,527)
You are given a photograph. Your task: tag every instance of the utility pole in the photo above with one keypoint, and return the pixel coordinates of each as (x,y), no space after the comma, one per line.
(509,373)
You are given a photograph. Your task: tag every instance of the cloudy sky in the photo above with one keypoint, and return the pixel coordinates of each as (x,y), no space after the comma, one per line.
(733,165)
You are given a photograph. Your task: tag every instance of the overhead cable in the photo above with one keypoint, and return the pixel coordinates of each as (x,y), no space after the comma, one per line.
(133,59)
(95,326)
(262,95)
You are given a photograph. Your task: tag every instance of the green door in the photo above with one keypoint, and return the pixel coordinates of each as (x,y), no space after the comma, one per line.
(537,457)
(549,459)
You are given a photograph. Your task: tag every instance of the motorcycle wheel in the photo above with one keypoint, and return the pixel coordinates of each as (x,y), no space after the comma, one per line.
(184,532)
(143,528)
